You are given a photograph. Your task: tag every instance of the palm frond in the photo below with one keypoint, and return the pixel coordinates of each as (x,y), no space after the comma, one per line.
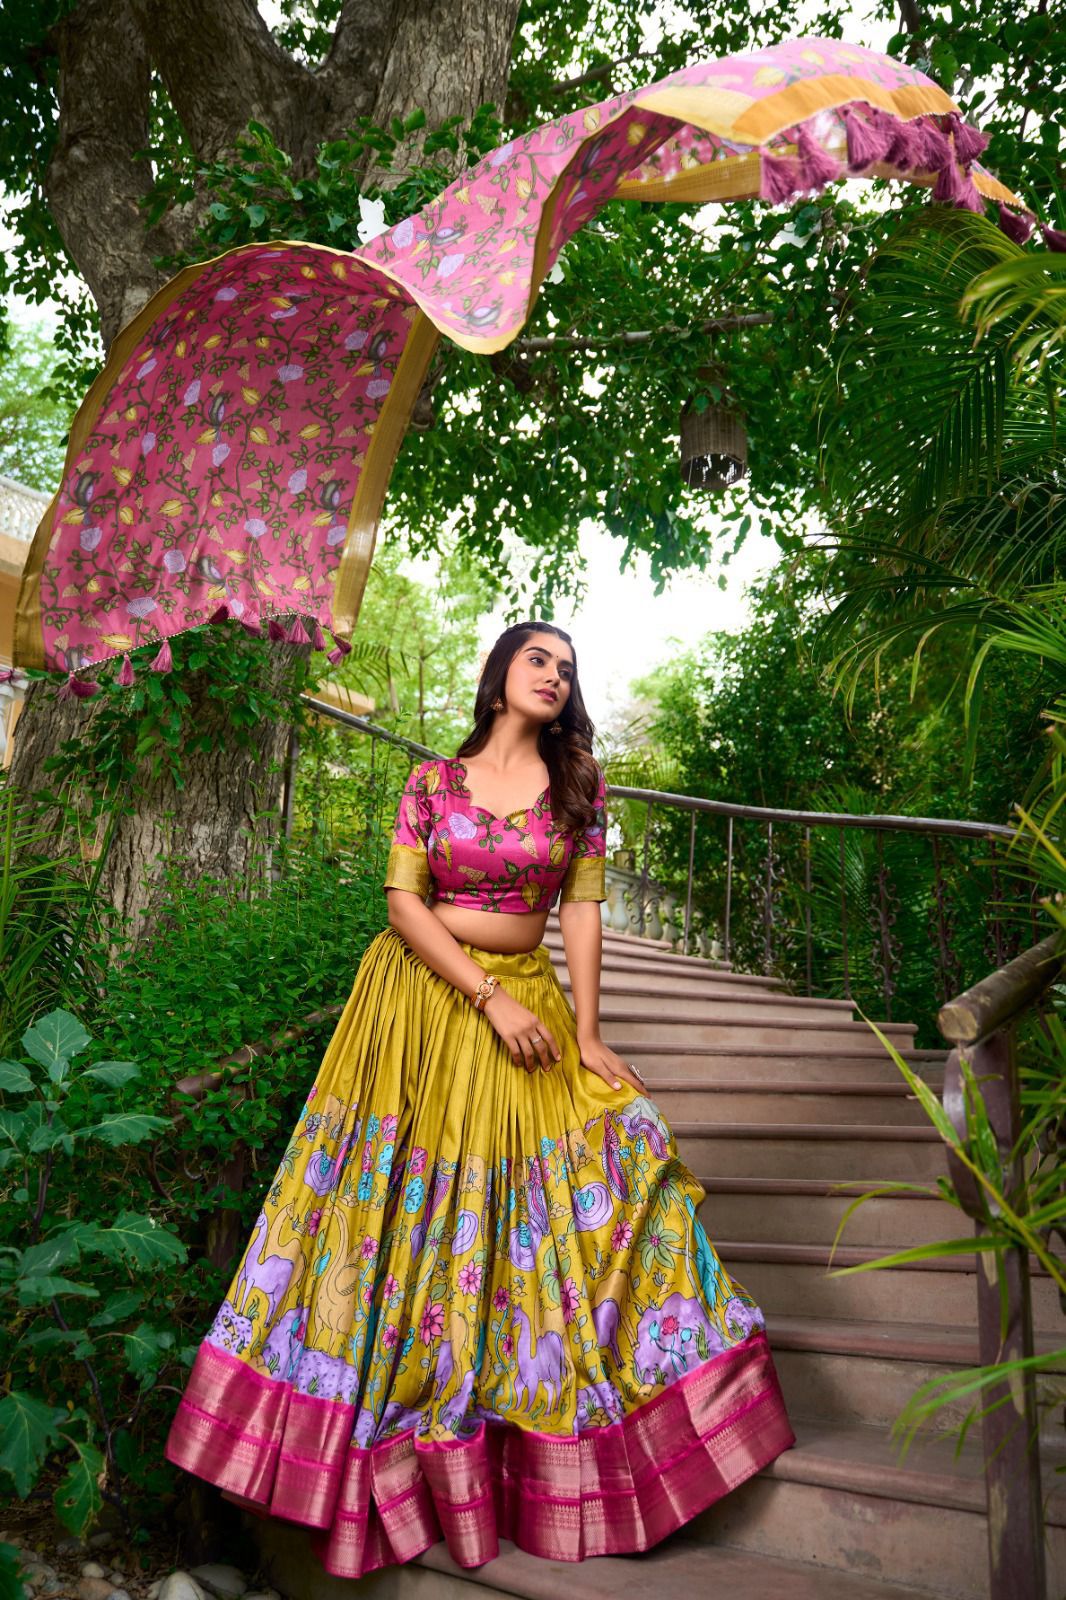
(1029,292)
(920,409)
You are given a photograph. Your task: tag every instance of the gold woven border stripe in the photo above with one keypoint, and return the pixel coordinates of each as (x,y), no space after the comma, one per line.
(586,879)
(736,178)
(381,455)
(408,868)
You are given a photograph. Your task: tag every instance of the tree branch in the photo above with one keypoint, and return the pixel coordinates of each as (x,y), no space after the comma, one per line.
(356,58)
(223,68)
(605,69)
(609,341)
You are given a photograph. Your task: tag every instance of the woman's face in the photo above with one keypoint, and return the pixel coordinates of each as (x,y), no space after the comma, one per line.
(539,677)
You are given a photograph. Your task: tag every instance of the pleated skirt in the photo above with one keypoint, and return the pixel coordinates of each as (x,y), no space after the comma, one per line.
(477,1303)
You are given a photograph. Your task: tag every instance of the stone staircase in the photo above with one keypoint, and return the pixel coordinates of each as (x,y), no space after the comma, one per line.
(774,1099)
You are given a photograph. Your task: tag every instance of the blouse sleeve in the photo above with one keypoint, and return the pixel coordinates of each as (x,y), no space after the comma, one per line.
(586,875)
(408,863)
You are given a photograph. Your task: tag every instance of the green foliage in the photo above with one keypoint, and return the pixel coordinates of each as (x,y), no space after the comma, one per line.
(1021,1207)
(110,1182)
(753,718)
(45,1282)
(33,422)
(216,696)
(48,918)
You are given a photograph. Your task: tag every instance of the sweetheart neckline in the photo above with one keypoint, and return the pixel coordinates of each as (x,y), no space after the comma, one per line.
(499,816)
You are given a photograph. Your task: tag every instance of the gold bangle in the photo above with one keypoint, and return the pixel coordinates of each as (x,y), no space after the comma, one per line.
(484,991)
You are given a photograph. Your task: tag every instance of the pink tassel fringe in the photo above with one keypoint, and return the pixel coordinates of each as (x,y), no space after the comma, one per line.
(221,614)
(318,638)
(253,626)
(297,634)
(1015,227)
(780,178)
(126,678)
(867,142)
(819,167)
(950,186)
(903,148)
(342,646)
(78,688)
(970,142)
(932,149)
(971,198)
(1054,238)
(164,661)
(275,631)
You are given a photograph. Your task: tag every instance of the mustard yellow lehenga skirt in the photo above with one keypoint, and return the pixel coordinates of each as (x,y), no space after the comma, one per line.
(477,1303)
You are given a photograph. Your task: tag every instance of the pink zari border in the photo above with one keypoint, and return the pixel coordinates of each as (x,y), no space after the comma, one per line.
(607,1491)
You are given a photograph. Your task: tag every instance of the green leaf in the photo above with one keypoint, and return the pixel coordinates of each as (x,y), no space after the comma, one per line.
(12,1126)
(145,1348)
(37,1290)
(126,1128)
(58,1250)
(115,1073)
(11,1586)
(256,215)
(53,1040)
(116,1307)
(27,1427)
(141,1240)
(14,1079)
(78,1497)
(72,1339)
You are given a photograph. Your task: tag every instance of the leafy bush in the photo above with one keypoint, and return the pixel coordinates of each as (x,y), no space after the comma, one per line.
(110,1183)
(71,1291)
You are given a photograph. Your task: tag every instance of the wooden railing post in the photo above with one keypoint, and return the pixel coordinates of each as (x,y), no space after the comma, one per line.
(1009,1427)
(981,1025)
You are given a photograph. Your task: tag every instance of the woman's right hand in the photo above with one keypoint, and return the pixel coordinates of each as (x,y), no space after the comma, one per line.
(528,1039)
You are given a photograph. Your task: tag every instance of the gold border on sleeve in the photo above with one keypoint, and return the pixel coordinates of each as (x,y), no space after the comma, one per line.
(586,879)
(408,868)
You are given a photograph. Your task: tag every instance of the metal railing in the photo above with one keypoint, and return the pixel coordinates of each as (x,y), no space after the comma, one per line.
(982,1025)
(762,878)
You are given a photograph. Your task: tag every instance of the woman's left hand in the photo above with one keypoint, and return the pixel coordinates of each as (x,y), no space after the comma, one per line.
(599,1058)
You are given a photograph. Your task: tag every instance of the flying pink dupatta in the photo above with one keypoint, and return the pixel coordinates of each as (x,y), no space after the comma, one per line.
(232,458)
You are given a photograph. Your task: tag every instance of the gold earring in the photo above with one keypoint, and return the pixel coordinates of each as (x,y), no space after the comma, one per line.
(497,704)
(556,727)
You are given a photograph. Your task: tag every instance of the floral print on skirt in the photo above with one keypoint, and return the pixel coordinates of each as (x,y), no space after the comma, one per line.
(477,1301)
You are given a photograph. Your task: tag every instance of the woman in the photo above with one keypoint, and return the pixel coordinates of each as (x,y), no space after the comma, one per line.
(477,1301)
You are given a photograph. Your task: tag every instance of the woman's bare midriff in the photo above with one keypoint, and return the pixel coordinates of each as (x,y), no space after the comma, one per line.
(506,932)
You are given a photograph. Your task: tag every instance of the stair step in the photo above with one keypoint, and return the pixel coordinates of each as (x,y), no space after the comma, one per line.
(843,1498)
(676,1567)
(680,996)
(811,1150)
(807,1211)
(710,1064)
(669,1029)
(795,1278)
(734,1100)
(865,1371)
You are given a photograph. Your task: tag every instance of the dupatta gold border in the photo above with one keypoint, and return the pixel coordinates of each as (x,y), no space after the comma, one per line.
(384,447)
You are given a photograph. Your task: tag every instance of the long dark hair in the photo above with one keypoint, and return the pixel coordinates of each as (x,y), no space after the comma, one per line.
(572,770)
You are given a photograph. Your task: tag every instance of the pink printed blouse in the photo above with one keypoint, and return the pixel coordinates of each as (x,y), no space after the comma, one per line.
(446,847)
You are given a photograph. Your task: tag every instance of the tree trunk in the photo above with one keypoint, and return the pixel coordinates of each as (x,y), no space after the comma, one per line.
(220,67)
